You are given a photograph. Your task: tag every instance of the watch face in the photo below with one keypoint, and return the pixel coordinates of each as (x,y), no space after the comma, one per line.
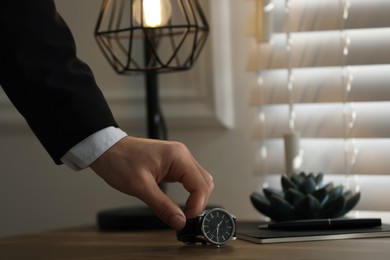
(218,226)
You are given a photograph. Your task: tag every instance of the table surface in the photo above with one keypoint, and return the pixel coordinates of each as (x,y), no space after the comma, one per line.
(90,243)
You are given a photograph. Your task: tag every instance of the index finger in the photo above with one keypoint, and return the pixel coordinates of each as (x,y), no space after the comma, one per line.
(199,183)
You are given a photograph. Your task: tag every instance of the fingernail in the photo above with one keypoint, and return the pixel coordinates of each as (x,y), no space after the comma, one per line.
(177,221)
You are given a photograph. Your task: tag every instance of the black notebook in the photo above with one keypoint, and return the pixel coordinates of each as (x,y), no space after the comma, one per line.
(249,231)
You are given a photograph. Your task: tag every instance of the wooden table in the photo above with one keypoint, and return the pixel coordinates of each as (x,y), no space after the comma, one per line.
(89,243)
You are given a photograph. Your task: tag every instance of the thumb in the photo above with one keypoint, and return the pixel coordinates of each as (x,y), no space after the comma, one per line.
(167,210)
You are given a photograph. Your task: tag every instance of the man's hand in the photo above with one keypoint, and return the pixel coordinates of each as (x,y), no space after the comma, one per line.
(136,166)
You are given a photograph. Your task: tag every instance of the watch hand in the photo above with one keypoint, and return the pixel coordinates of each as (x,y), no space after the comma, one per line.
(214,231)
(218,229)
(219,225)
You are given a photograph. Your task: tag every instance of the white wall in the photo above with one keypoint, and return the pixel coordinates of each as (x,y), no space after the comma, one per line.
(37,195)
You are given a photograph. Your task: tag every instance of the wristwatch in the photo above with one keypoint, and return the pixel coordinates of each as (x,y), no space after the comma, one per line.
(214,226)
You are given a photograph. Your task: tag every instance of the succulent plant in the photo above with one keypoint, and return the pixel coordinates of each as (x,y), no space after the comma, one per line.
(304,196)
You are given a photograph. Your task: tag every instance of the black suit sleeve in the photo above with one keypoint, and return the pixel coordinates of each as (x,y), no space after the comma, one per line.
(41,74)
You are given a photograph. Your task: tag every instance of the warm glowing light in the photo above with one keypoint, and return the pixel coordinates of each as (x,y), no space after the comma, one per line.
(152,12)
(155,12)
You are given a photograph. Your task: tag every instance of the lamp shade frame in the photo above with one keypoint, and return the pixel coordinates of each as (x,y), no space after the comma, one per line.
(172,46)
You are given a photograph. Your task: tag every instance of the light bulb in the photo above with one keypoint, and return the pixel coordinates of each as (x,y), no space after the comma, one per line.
(155,12)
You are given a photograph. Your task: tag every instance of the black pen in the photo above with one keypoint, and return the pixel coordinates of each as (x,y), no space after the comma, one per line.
(321,224)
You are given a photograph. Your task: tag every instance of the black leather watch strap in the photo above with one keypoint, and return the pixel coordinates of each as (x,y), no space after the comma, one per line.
(190,231)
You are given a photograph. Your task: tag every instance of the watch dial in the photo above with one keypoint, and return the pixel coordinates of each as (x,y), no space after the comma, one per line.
(218,226)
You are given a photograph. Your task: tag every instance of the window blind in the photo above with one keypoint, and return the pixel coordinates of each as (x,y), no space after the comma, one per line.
(323,70)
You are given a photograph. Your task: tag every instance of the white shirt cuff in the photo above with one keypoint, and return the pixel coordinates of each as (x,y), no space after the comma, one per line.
(87,151)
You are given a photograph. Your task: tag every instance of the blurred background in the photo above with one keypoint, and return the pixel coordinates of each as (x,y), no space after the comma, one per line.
(208,108)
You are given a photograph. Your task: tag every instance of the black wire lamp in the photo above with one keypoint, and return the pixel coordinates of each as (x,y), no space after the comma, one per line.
(172,32)
(149,37)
